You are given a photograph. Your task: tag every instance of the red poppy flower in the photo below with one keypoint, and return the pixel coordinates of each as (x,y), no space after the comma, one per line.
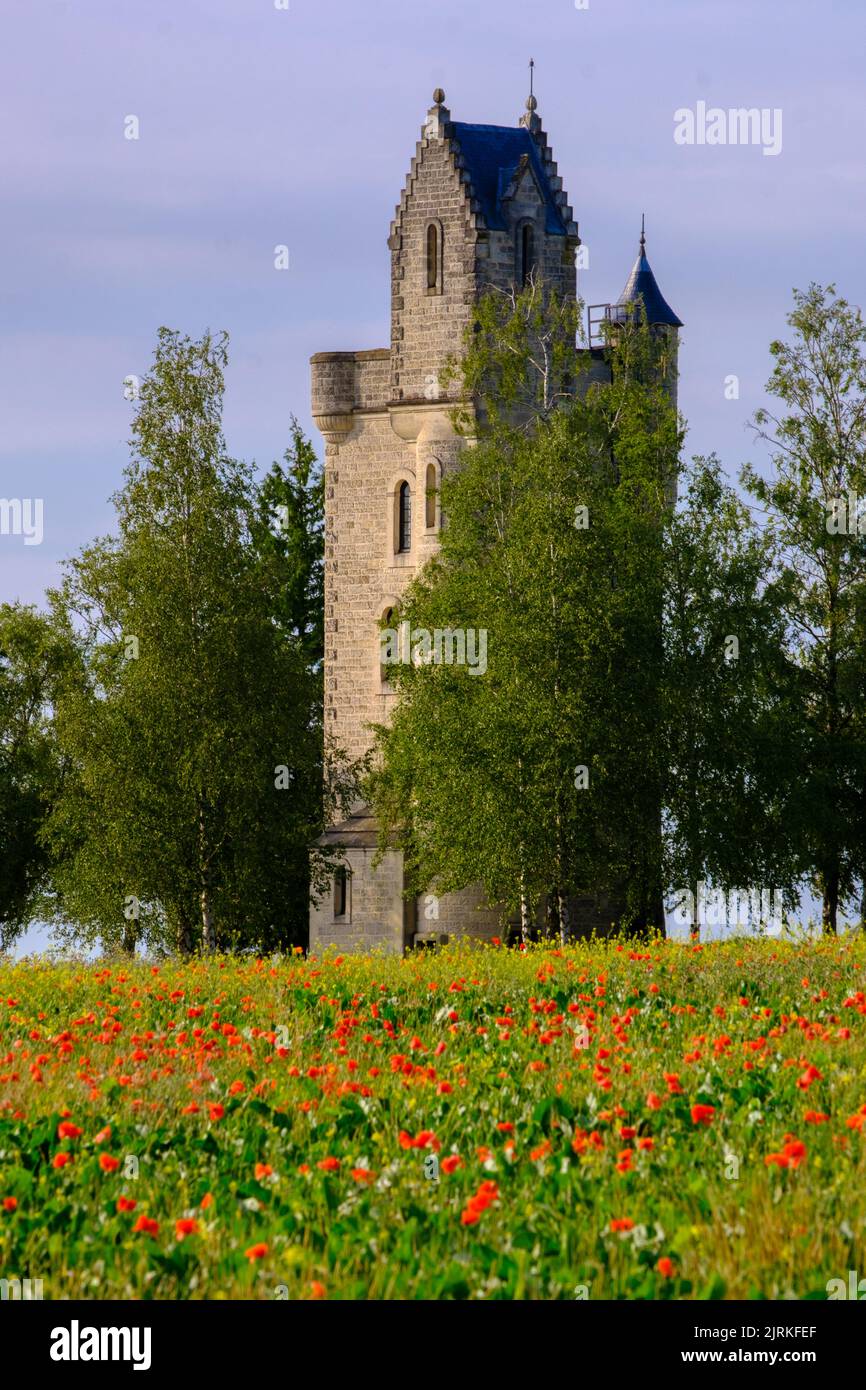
(317,1290)
(60,1160)
(206,1201)
(263,1170)
(703,1114)
(186,1226)
(329,1164)
(257,1252)
(103,1136)
(621,1223)
(363,1175)
(147,1226)
(67,1130)
(451,1162)
(108,1164)
(665,1267)
(126,1204)
(216,1111)
(10,1203)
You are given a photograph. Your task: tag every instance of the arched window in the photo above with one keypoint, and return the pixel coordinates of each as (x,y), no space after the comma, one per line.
(432,257)
(340,892)
(527,251)
(404,518)
(430,499)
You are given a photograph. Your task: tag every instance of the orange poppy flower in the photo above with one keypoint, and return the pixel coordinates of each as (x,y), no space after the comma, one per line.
(257,1252)
(10,1203)
(147,1225)
(108,1164)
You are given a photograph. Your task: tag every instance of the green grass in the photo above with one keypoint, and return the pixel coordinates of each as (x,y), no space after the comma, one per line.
(335,1059)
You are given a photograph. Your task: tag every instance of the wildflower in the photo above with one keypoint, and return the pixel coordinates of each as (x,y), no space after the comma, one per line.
(451,1162)
(126,1204)
(621,1223)
(317,1290)
(263,1170)
(186,1226)
(257,1252)
(206,1201)
(329,1164)
(67,1130)
(703,1114)
(215,1110)
(10,1203)
(665,1267)
(108,1164)
(60,1160)
(147,1226)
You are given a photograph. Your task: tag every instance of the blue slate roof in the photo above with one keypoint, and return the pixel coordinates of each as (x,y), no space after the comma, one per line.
(641,284)
(492,154)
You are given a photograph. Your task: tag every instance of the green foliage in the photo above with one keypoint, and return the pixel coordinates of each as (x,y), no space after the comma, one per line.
(35,655)
(818,452)
(479,771)
(730,768)
(193,741)
(289,536)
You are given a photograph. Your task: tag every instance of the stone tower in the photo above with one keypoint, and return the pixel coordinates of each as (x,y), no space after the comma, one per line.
(482,206)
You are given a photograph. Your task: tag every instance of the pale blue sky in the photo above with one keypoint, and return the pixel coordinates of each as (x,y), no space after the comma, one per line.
(261,126)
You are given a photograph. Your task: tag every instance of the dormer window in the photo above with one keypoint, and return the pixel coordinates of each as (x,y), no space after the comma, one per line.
(433,258)
(526,251)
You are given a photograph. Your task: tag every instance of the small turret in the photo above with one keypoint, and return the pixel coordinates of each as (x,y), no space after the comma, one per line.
(641,286)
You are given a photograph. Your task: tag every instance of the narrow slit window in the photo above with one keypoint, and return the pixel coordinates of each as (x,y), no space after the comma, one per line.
(404,518)
(340,892)
(527,252)
(432,257)
(384,653)
(430,501)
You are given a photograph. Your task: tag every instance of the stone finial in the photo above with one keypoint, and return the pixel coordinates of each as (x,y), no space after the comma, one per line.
(437,117)
(530,119)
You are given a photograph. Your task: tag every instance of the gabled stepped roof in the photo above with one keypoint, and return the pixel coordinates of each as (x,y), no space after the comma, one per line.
(492,155)
(641,285)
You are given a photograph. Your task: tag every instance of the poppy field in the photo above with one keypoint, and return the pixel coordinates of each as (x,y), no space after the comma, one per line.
(675,1121)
